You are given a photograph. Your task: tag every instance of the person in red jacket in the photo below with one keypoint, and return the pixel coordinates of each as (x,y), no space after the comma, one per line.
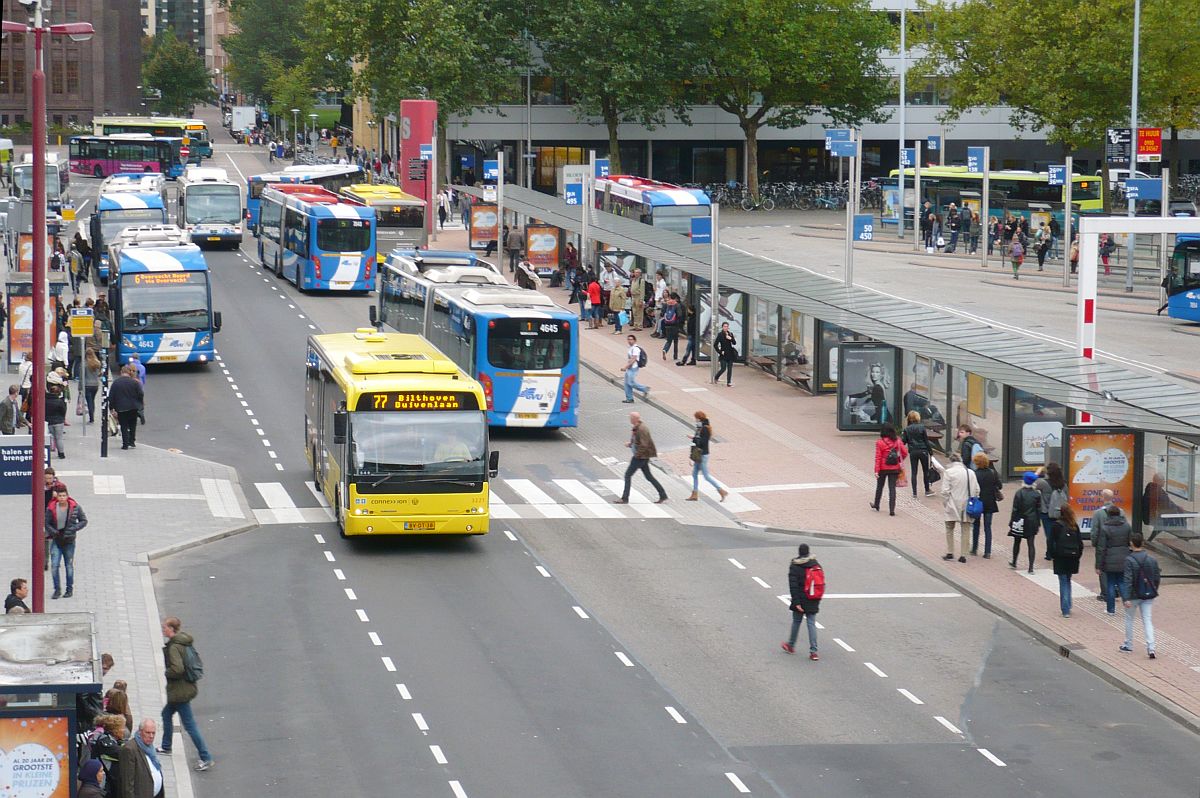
(890,454)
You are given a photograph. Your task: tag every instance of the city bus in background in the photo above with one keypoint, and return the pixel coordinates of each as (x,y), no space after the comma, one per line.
(396,436)
(124,205)
(58,181)
(194,130)
(209,207)
(521,347)
(1183,278)
(1020,192)
(138,182)
(334,177)
(399,216)
(161,297)
(664,205)
(100,156)
(317,239)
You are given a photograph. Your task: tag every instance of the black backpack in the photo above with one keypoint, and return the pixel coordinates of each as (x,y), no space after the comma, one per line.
(193,666)
(1145,587)
(893,456)
(642,359)
(1070,543)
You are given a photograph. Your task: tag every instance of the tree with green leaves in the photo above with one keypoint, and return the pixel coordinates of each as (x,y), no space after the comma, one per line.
(268,32)
(288,89)
(622,60)
(776,63)
(1169,75)
(174,69)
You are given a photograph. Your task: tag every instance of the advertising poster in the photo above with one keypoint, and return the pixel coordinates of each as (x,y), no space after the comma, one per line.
(35,757)
(25,251)
(828,338)
(1099,458)
(483,225)
(542,246)
(20,319)
(868,392)
(731,310)
(1034,428)
(1181,468)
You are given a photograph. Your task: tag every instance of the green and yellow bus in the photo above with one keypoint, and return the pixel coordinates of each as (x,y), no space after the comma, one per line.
(1014,189)
(194,130)
(396,435)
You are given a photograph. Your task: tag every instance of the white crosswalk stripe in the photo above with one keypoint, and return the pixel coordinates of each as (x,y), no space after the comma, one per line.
(591,502)
(638,502)
(537,497)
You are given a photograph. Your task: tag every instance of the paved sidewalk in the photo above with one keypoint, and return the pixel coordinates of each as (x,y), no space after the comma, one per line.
(138,503)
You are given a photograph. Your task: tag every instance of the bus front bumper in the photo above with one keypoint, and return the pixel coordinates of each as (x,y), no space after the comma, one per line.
(475,524)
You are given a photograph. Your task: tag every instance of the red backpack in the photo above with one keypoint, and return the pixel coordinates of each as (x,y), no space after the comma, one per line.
(814,582)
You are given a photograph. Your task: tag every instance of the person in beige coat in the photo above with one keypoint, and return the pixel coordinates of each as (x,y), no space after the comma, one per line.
(958,485)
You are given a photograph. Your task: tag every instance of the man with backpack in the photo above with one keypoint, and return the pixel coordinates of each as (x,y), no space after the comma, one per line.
(635,360)
(806,579)
(1138,591)
(183,670)
(968,446)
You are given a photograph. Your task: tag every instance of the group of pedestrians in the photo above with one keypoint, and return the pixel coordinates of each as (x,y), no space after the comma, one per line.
(643,450)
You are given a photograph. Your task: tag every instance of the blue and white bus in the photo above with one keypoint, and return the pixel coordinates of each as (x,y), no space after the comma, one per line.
(114,212)
(520,345)
(664,205)
(161,297)
(1183,278)
(333,177)
(316,239)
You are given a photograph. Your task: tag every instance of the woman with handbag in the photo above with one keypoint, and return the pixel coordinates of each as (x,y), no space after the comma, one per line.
(890,452)
(960,489)
(991,495)
(916,438)
(1024,522)
(699,456)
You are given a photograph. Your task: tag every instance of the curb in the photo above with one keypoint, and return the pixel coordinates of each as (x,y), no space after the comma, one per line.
(612,380)
(1065,648)
(213,537)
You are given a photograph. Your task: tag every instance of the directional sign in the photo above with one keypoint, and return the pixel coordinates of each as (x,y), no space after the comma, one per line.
(836,134)
(1143,189)
(416,169)
(573,193)
(933,143)
(467,161)
(864,227)
(491,171)
(843,149)
(908,157)
(1149,144)
(426,152)
(1118,144)
(975,157)
(701,229)
(601,167)
(1056,175)
(82,322)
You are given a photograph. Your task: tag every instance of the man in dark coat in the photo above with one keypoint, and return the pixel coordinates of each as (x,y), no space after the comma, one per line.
(127,397)
(141,771)
(804,606)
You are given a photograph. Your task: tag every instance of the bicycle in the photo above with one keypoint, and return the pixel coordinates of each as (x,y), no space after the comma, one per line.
(761,202)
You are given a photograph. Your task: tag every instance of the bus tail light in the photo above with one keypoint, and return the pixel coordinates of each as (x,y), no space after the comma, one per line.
(486,382)
(317,266)
(564,403)
(369,262)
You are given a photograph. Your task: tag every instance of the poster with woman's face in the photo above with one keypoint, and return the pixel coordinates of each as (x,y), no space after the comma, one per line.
(867,386)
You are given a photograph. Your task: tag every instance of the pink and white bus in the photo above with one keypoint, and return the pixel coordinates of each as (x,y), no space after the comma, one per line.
(100,156)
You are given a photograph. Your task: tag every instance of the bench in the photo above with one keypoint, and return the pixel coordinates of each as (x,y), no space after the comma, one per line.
(800,376)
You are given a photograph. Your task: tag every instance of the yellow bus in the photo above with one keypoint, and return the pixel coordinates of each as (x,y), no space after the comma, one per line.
(942,185)
(194,130)
(396,435)
(400,219)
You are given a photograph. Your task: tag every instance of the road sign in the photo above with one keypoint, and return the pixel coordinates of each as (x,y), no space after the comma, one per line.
(843,149)
(426,152)
(933,143)
(908,157)
(975,164)
(864,227)
(1143,189)
(836,134)
(184,152)
(573,193)
(1149,144)
(1056,175)
(491,171)
(416,169)
(82,322)
(601,167)
(701,229)
(467,161)
(1118,144)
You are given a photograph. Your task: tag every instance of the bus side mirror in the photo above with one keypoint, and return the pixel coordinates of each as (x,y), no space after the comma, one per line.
(339,427)
(217,321)
(373,315)
(493,464)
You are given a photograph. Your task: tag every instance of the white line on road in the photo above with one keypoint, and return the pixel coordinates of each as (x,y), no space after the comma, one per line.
(737,783)
(319,538)
(279,466)
(235,167)
(843,644)
(272,455)
(266,443)
(541,501)
(438,756)
(362,615)
(818,625)
(338,573)
(592,502)
(995,760)
(579,611)
(890,595)
(388,664)
(791,486)
(543,572)
(581,446)
(419,719)
(737,564)
(375,638)
(626,661)
(318,495)
(407,696)
(674,713)
(947,724)
(457,789)
(909,696)
(761,582)
(786,599)
(350,594)
(875,670)
(329,556)
(510,535)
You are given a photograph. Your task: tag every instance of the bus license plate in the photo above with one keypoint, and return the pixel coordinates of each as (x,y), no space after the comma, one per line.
(420,526)
(342,283)
(527,415)
(167,358)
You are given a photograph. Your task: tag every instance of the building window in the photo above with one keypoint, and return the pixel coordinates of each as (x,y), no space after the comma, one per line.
(56,75)
(57,120)
(72,70)
(18,77)
(3,120)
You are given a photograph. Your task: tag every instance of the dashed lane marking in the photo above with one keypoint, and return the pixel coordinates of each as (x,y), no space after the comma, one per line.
(737,783)
(995,760)
(625,660)
(319,538)
(419,719)
(510,535)
(579,611)
(875,670)
(438,756)
(374,636)
(329,556)
(403,690)
(350,594)
(362,615)
(543,572)
(674,713)
(909,696)
(737,564)
(947,724)
(339,574)
(843,644)
(457,789)
(761,582)
(388,664)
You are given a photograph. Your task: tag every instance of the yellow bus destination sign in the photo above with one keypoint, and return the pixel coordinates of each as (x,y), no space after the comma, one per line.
(417,400)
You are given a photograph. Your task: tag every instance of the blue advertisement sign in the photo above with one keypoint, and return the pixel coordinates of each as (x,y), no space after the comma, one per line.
(864,227)
(1056,175)
(426,152)
(491,171)
(601,167)
(16,464)
(467,161)
(701,229)
(908,157)
(843,149)
(573,193)
(933,143)
(1143,189)
(836,134)
(975,158)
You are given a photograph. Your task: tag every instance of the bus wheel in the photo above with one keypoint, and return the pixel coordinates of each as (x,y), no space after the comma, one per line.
(97,171)
(316,475)
(341,512)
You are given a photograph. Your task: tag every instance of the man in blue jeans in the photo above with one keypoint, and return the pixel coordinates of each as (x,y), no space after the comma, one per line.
(64,519)
(806,579)
(632,358)
(180,692)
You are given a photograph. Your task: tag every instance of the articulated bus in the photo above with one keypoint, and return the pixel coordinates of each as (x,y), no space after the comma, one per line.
(396,436)
(663,205)
(160,297)
(399,216)
(194,130)
(209,207)
(1183,278)
(334,177)
(99,156)
(521,347)
(317,239)
(942,185)
(117,210)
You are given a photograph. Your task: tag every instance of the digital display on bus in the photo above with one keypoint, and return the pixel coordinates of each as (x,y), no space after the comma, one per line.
(417,400)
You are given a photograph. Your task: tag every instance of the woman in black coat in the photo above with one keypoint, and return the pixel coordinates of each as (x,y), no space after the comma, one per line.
(1024,522)
(1066,550)
(726,345)
(991,496)
(916,438)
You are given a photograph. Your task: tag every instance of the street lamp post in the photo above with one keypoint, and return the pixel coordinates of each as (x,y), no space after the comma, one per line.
(77,31)
(295,130)
(313,117)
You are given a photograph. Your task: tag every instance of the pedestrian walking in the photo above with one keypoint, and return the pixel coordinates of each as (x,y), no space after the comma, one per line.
(691,323)
(635,358)
(141,772)
(889,462)
(127,397)
(726,346)
(1107,499)
(1052,494)
(968,445)
(515,245)
(806,581)
(1139,589)
(959,486)
(92,370)
(1043,245)
(1016,256)
(56,413)
(641,444)
(14,602)
(616,306)
(991,495)
(443,210)
(570,261)
(181,689)
(916,438)
(25,380)
(672,324)
(139,368)
(701,439)
(1066,549)
(637,292)
(1023,523)
(64,521)
(11,417)
(1112,547)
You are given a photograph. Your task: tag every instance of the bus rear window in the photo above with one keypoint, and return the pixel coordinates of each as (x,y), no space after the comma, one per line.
(400,217)
(529,344)
(343,235)
(1085,190)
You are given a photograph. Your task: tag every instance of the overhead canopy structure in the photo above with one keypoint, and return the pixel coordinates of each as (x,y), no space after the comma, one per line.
(1115,394)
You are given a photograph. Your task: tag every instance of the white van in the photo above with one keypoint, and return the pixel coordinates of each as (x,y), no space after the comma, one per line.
(1119,176)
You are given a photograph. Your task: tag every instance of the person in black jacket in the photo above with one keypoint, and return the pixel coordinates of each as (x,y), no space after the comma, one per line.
(916,438)
(1023,524)
(989,494)
(727,351)
(690,324)
(700,441)
(126,397)
(1066,549)
(56,414)
(803,607)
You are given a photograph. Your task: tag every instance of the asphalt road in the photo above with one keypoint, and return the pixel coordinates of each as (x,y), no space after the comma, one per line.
(585,656)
